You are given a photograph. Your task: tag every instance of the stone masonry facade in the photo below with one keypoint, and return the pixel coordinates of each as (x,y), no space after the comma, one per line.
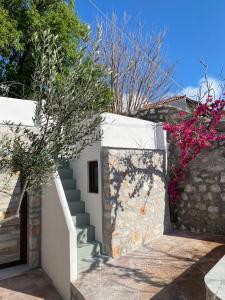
(134,199)
(202,204)
(10,231)
(34,229)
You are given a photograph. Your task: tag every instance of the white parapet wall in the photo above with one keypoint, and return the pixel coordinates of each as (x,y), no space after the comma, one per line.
(17,111)
(59,239)
(131,133)
(118,132)
(215,281)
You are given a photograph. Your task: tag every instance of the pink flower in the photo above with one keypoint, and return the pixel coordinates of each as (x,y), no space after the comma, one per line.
(192,135)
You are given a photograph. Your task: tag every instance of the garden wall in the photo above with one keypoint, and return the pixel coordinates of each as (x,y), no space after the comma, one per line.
(10,230)
(202,204)
(134,198)
(18,111)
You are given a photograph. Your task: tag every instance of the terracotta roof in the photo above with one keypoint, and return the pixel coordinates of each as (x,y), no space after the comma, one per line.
(168,101)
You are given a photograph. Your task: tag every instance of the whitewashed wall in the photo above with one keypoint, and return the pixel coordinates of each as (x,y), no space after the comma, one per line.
(118,132)
(17,111)
(125,132)
(93,202)
(58,238)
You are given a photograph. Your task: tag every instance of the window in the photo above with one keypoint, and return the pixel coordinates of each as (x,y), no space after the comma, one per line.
(93,176)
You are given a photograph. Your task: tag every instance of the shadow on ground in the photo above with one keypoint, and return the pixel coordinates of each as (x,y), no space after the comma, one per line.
(169,268)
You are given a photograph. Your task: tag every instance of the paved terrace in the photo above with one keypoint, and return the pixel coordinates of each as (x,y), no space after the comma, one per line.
(171,267)
(33,285)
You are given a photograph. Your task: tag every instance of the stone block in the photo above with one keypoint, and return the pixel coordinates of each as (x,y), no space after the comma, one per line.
(202,188)
(116,250)
(190,188)
(215,188)
(213,209)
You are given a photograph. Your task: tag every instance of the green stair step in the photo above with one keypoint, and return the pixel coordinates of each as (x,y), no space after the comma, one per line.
(68,183)
(82,219)
(76,207)
(64,164)
(88,250)
(72,195)
(85,234)
(66,173)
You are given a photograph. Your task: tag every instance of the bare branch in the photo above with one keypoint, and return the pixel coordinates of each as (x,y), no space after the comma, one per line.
(139,72)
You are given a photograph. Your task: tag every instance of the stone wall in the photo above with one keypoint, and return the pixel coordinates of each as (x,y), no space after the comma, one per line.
(34,229)
(134,198)
(9,231)
(158,114)
(202,204)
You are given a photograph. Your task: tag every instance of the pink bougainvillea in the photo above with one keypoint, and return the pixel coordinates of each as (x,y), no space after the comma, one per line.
(193,133)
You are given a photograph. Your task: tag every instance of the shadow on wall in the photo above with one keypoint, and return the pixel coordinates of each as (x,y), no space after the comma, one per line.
(138,174)
(10,231)
(134,198)
(10,189)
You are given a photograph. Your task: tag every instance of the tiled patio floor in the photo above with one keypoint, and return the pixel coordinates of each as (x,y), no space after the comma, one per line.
(169,268)
(33,285)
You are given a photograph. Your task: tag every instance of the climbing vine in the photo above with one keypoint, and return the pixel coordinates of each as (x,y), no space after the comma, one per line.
(192,134)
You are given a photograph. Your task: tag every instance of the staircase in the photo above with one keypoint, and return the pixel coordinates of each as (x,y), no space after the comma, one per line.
(88,249)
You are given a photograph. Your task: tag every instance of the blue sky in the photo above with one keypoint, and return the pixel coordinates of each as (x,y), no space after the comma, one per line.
(196,31)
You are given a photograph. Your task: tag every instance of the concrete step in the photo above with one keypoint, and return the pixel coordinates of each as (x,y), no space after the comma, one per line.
(91,263)
(66,173)
(68,184)
(82,219)
(85,234)
(76,207)
(88,250)
(72,195)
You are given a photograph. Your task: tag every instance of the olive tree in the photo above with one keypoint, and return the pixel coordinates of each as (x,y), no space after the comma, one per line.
(68,115)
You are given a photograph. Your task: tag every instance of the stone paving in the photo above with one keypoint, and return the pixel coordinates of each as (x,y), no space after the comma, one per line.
(171,267)
(33,285)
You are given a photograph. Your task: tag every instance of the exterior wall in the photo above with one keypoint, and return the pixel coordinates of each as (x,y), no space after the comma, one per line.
(17,111)
(10,230)
(158,114)
(93,201)
(59,239)
(214,281)
(126,132)
(118,131)
(202,204)
(134,198)
(34,229)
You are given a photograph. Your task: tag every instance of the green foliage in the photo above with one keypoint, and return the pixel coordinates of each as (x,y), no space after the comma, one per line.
(68,114)
(21,20)
(10,36)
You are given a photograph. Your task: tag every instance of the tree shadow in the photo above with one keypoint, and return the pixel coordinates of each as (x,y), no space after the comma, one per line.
(156,272)
(190,284)
(134,171)
(10,230)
